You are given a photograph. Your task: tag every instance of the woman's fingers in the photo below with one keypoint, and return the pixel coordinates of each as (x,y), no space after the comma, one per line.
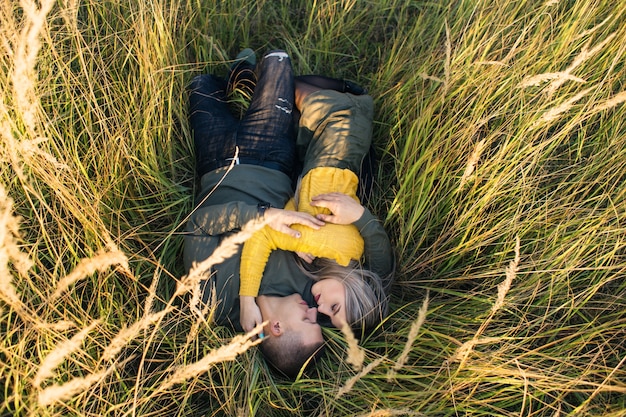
(329,198)
(344,209)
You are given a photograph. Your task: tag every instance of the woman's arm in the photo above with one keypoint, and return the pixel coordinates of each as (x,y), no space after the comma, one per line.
(378,252)
(379,256)
(339,242)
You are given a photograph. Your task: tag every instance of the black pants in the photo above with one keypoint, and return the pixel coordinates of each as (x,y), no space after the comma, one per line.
(264,136)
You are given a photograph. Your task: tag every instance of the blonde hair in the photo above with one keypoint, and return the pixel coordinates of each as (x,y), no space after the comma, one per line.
(366,303)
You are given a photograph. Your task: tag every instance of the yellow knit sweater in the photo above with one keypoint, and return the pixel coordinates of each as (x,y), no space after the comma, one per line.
(339,242)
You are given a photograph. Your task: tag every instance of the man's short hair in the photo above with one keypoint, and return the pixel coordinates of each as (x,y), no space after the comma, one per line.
(287,354)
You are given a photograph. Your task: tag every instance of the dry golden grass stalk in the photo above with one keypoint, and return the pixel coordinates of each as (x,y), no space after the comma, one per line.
(594,29)
(152,291)
(511,273)
(413,332)
(25,53)
(584,55)
(9,232)
(29,148)
(463,352)
(100,262)
(127,334)
(10,252)
(619,98)
(471,163)
(392,413)
(448,62)
(9,150)
(59,326)
(204,316)
(555,112)
(194,301)
(425,76)
(238,345)
(225,250)
(350,383)
(356,355)
(60,352)
(59,393)
(548,76)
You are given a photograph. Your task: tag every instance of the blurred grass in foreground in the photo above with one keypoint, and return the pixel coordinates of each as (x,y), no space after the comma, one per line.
(500,127)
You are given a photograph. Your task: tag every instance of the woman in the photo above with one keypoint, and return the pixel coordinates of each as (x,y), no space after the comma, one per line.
(334,135)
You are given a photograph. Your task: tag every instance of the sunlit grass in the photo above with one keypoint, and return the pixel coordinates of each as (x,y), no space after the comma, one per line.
(495,123)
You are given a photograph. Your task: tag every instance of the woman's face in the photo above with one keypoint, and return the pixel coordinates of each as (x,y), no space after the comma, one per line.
(330,296)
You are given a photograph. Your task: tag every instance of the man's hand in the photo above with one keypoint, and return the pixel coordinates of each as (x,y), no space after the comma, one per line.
(281,220)
(344,209)
(249,313)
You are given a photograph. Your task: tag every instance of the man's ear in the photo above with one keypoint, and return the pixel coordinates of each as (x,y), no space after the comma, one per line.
(275,329)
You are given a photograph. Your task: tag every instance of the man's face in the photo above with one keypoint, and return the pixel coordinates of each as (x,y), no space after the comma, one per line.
(295,316)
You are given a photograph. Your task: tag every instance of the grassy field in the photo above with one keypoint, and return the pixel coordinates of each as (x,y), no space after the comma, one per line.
(501,131)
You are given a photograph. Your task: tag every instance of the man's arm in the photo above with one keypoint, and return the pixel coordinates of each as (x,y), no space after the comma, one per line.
(218,219)
(207,224)
(222,218)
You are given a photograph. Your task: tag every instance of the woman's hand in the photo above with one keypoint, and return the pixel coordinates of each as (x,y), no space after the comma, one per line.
(281,220)
(249,313)
(344,209)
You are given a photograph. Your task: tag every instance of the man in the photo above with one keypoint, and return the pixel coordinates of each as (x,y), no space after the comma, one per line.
(263,144)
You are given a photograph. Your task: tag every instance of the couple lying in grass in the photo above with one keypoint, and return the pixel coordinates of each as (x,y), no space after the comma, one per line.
(322,254)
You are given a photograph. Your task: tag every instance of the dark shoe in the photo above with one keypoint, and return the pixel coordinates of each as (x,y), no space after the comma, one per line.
(242,80)
(246,58)
(353,88)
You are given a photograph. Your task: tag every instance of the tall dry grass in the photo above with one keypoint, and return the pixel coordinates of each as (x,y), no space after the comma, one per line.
(502,144)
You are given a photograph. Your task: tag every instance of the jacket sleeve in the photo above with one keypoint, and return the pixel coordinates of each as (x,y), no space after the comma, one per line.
(221,218)
(206,225)
(378,252)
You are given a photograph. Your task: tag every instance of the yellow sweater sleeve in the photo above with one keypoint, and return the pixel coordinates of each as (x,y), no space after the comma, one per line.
(324,180)
(339,242)
(256,251)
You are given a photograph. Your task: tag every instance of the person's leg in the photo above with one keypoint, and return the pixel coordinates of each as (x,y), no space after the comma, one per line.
(266,133)
(211,122)
(309,84)
(335,130)
(302,90)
